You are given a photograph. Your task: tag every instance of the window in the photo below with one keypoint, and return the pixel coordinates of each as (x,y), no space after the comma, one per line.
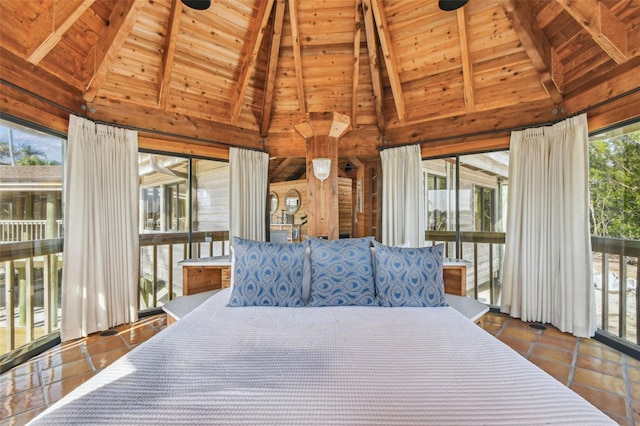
(30,212)
(614,181)
(484,209)
(167,204)
(437,202)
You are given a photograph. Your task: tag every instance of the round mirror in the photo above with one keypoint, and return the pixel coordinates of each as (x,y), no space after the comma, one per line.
(292,201)
(273,202)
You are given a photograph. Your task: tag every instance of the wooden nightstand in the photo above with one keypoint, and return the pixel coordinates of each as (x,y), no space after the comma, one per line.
(454,272)
(204,274)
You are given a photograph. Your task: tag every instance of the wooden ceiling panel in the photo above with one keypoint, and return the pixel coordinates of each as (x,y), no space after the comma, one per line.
(402,69)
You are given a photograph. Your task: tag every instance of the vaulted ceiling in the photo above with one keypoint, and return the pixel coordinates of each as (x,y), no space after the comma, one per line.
(246,72)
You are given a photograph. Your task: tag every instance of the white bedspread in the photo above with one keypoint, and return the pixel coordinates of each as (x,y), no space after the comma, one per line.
(324,366)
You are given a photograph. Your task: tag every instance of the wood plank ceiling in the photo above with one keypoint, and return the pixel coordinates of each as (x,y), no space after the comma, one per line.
(244,72)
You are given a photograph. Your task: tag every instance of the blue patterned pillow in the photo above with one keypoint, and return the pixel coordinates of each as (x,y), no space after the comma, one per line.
(409,276)
(267,274)
(341,272)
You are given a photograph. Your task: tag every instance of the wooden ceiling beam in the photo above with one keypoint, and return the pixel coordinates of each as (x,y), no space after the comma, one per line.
(252,47)
(297,56)
(389,57)
(537,47)
(467,70)
(374,63)
(169,53)
(119,26)
(65,14)
(280,168)
(356,63)
(603,26)
(272,67)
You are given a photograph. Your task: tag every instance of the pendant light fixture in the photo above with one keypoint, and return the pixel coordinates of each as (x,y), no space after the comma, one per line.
(449,5)
(197,4)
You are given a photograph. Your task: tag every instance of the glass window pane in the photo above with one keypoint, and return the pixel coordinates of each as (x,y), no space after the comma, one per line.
(440,202)
(614,179)
(483,183)
(31,170)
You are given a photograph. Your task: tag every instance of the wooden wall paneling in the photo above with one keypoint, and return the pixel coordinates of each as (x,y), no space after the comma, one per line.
(345,207)
(323,217)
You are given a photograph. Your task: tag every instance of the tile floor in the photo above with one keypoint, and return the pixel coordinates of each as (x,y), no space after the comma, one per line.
(607,378)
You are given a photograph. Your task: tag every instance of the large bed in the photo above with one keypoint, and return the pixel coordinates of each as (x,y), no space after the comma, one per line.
(341,365)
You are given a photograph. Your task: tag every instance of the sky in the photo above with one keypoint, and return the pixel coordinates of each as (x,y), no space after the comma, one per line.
(51,146)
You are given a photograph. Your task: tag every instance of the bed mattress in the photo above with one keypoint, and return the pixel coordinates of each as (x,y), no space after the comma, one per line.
(322,366)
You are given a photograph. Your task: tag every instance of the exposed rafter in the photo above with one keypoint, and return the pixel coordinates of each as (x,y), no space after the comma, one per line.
(65,14)
(297,56)
(466,63)
(389,57)
(605,29)
(272,67)
(537,46)
(356,62)
(283,165)
(250,55)
(121,21)
(374,65)
(169,53)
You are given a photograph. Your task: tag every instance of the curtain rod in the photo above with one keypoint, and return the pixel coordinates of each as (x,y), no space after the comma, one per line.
(138,129)
(514,129)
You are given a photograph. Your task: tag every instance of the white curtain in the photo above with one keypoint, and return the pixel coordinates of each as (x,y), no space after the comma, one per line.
(402,196)
(249,172)
(100,274)
(547,264)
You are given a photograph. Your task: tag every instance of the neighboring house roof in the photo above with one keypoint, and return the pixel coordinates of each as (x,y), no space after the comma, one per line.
(30,178)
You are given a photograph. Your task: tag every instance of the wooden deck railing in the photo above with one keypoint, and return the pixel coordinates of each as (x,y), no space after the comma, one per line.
(31,271)
(26,230)
(614,259)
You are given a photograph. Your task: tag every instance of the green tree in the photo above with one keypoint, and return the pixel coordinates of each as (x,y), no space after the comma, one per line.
(614,178)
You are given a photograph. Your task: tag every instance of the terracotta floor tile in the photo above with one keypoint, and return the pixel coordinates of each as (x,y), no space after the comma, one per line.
(635,412)
(601,365)
(65,371)
(599,350)
(551,339)
(632,362)
(558,370)
(622,421)
(58,357)
(134,337)
(21,402)
(605,401)
(520,346)
(157,321)
(635,391)
(520,333)
(492,328)
(553,354)
(551,331)
(24,418)
(27,368)
(105,344)
(494,318)
(634,373)
(599,380)
(9,386)
(57,390)
(105,359)
(516,323)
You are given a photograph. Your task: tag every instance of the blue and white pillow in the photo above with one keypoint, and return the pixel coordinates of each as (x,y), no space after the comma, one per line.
(409,276)
(267,274)
(341,272)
